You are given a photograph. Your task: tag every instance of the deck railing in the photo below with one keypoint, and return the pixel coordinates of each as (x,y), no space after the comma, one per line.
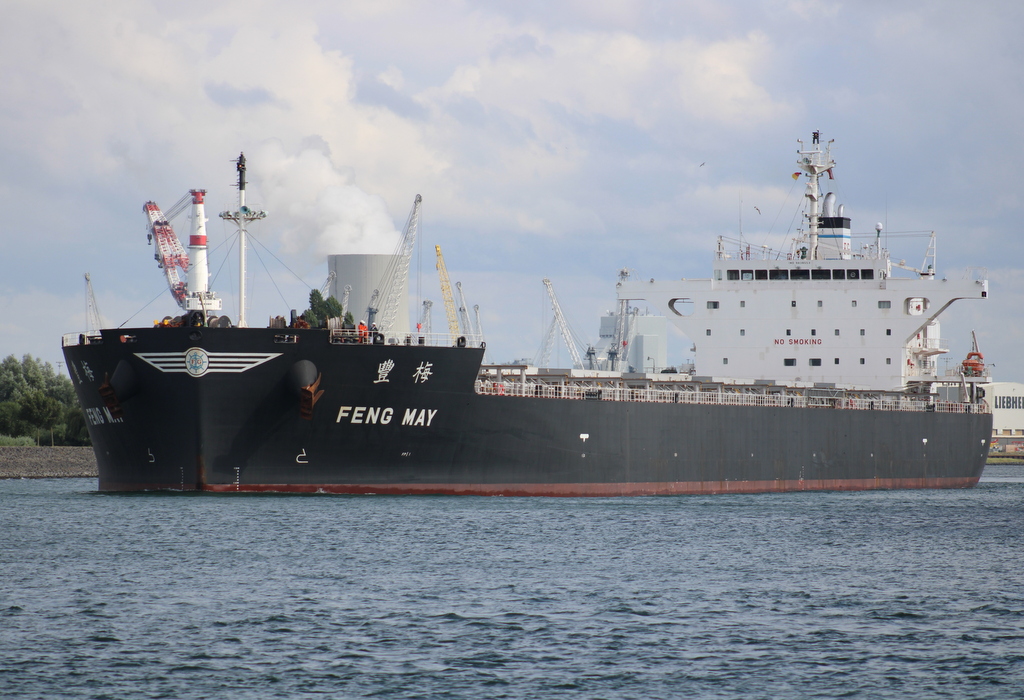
(719,398)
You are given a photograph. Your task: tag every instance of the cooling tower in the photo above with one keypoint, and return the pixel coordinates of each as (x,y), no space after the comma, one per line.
(365,273)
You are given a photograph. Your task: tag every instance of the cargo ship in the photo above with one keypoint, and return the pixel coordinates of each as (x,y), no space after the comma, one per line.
(815,369)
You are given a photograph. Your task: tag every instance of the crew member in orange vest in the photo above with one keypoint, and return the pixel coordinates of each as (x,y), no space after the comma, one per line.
(362,332)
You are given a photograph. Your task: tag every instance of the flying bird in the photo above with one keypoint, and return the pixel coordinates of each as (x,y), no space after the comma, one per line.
(758,210)
(701,165)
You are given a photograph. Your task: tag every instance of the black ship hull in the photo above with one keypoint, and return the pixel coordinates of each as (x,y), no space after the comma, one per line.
(220,410)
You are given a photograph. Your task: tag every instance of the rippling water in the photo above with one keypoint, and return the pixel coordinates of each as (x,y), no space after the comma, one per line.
(810,595)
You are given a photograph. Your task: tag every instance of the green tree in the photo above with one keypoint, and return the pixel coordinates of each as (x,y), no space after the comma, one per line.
(40,411)
(321,309)
(332,307)
(76,431)
(24,385)
(10,422)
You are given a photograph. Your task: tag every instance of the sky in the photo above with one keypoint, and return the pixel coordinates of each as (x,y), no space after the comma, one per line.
(564,140)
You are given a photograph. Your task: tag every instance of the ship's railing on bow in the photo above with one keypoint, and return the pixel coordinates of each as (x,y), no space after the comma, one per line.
(370,336)
(721,398)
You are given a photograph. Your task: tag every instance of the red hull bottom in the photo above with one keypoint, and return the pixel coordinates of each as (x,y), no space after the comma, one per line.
(666,488)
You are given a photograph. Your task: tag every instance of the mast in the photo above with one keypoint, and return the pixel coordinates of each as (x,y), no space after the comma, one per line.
(814,162)
(242,217)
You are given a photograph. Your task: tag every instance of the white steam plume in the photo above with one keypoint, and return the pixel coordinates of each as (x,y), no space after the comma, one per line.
(315,206)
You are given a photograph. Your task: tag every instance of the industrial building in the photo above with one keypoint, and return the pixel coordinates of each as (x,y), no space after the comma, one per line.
(1007,402)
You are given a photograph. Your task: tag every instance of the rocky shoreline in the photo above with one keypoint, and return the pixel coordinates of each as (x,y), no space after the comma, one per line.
(47,462)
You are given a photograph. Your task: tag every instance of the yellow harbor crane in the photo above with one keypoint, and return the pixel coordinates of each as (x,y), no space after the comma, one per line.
(446,292)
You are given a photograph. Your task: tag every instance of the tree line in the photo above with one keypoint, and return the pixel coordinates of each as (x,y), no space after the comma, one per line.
(38,406)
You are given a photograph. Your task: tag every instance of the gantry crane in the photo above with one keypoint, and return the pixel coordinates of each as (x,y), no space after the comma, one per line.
(446,292)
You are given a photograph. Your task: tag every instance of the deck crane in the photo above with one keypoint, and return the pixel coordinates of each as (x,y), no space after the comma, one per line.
(397,277)
(193,294)
(563,326)
(446,292)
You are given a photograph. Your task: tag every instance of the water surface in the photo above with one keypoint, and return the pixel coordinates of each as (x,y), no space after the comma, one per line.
(815,595)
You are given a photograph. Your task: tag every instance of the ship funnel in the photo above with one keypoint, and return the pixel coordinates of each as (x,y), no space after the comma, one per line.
(830,204)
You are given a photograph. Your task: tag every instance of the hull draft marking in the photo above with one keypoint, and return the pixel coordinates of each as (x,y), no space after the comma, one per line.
(197,362)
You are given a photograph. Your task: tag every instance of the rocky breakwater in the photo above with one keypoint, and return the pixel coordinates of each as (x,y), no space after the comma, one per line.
(47,462)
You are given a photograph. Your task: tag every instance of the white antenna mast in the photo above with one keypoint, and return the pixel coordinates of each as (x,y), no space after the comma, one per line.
(814,163)
(242,217)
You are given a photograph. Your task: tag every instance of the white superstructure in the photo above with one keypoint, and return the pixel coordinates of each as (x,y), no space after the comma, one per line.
(822,312)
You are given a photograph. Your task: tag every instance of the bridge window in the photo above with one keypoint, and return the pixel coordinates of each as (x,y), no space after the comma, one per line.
(854,275)
(838,274)
(760,274)
(821,274)
(732,274)
(778,274)
(789,362)
(865,274)
(799,274)
(747,275)
(815,362)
